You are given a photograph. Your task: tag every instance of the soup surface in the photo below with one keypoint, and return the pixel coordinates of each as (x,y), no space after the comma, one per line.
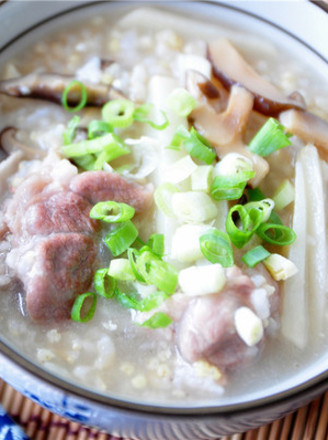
(163,203)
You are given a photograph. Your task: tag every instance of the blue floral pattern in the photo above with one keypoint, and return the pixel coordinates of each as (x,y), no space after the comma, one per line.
(8,428)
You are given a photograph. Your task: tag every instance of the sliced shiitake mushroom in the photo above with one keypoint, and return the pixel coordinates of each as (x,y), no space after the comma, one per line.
(308,127)
(225,130)
(10,144)
(50,87)
(231,68)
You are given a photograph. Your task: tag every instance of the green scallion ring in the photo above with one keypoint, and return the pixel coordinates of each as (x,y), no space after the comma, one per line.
(104,284)
(249,219)
(121,238)
(140,115)
(199,147)
(276,234)
(255,256)
(158,320)
(98,128)
(83,97)
(119,113)
(156,243)
(216,247)
(132,256)
(78,312)
(112,212)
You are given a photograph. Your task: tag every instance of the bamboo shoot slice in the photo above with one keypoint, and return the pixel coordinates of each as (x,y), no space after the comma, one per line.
(294,318)
(316,242)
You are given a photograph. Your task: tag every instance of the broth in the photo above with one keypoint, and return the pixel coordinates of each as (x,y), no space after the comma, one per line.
(113,353)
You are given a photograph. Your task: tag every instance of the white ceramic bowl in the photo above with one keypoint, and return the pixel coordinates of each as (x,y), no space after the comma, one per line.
(303,27)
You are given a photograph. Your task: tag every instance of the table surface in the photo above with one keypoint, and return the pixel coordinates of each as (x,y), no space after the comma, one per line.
(308,423)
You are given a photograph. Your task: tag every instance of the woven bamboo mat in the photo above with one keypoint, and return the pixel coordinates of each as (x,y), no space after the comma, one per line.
(308,423)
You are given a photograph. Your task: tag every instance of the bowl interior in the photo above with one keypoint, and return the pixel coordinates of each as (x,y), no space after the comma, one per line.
(282,369)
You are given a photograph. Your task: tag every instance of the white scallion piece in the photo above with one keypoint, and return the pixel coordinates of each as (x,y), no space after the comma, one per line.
(316,231)
(294,316)
(120,269)
(231,164)
(185,243)
(248,326)
(180,170)
(280,268)
(202,178)
(193,207)
(284,195)
(202,280)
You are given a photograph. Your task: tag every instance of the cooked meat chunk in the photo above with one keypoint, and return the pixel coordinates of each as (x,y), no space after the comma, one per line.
(61,212)
(54,242)
(62,269)
(98,186)
(207,330)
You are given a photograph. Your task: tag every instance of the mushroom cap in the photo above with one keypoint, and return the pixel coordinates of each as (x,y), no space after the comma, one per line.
(50,87)
(231,68)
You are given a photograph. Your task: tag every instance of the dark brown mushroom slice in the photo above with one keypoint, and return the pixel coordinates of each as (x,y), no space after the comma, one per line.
(50,87)
(205,90)
(9,143)
(231,68)
(308,127)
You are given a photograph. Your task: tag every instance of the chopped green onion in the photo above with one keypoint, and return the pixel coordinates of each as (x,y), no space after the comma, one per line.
(98,128)
(199,147)
(112,143)
(284,195)
(216,247)
(140,115)
(181,102)
(180,135)
(133,301)
(230,187)
(232,164)
(69,134)
(132,256)
(202,178)
(255,256)
(69,89)
(104,157)
(152,301)
(276,234)
(158,320)
(121,238)
(112,212)
(270,138)
(156,244)
(242,228)
(163,198)
(82,311)
(193,207)
(86,162)
(255,194)
(157,272)
(179,170)
(120,269)
(118,113)
(129,301)
(104,284)
(265,206)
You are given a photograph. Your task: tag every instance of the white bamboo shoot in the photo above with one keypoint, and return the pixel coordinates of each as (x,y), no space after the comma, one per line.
(316,263)
(294,317)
